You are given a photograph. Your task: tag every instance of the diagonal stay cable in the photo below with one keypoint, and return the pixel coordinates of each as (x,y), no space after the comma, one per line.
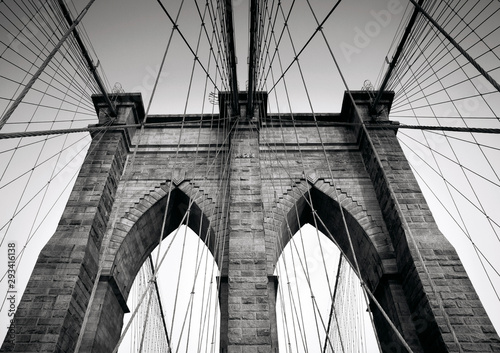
(366,291)
(308,200)
(27,144)
(448,211)
(126,175)
(176,27)
(68,184)
(175,162)
(277,43)
(463,195)
(305,268)
(457,109)
(39,163)
(33,39)
(464,140)
(42,188)
(456,162)
(191,301)
(212,166)
(35,76)
(211,39)
(318,29)
(82,111)
(469,182)
(457,46)
(333,312)
(479,253)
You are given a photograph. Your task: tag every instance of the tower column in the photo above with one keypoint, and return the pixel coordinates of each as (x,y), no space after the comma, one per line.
(247,293)
(52,309)
(445,310)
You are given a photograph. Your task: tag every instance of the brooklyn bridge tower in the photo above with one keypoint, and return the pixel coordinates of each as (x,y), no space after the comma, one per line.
(251,180)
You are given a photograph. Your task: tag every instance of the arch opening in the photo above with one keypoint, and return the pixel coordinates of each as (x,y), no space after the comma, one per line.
(181,311)
(324,212)
(135,248)
(143,236)
(320,304)
(371,247)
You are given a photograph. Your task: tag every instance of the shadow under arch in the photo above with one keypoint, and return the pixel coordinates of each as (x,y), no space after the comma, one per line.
(138,239)
(144,235)
(373,251)
(332,225)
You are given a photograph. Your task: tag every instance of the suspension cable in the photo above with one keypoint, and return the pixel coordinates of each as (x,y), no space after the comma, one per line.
(42,67)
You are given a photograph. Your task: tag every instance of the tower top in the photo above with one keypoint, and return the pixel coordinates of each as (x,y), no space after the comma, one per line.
(259,104)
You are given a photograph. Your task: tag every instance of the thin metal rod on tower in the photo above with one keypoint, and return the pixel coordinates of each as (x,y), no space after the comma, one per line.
(87,57)
(252,57)
(232,57)
(457,46)
(396,56)
(42,67)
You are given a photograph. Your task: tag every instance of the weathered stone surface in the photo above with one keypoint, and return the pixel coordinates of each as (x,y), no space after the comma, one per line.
(276,185)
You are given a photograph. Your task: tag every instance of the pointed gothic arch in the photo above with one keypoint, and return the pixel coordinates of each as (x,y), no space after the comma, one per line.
(370,238)
(135,236)
(311,272)
(407,264)
(143,229)
(372,249)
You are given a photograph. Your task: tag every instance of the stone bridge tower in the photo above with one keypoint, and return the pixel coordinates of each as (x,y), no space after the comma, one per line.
(409,267)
